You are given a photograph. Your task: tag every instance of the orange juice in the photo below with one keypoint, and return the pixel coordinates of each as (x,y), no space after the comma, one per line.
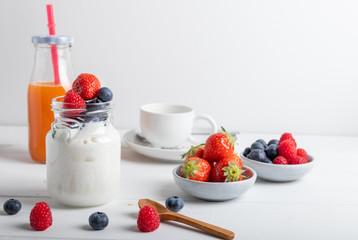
(40,116)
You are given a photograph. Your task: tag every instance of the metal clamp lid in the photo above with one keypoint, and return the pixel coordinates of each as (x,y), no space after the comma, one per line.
(58,40)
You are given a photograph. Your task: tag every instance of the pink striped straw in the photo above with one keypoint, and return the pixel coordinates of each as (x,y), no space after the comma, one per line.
(51,27)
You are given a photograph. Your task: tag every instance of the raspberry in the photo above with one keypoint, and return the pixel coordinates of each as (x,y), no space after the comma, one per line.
(301,152)
(148,219)
(280,160)
(298,160)
(40,216)
(287,150)
(287,136)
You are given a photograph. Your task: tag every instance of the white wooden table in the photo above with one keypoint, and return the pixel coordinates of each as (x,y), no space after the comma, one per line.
(322,205)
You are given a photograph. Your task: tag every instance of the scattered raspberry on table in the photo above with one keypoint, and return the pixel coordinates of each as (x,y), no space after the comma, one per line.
(41,216)
(148,219)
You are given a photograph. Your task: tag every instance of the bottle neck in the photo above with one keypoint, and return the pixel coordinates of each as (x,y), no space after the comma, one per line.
(43,70)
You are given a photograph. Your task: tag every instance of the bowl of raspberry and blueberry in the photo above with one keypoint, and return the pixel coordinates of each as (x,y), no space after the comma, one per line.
(279,160)
(213,171)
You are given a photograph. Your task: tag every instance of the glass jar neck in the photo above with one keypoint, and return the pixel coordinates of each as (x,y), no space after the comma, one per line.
(43,70)
(67,116)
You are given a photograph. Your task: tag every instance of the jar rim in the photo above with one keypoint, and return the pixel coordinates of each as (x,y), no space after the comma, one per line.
(58,104)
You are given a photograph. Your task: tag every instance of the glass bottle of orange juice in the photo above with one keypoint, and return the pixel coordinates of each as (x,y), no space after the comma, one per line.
(52,76)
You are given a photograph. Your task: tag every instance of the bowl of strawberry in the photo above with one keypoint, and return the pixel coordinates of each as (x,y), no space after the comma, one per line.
(213,172)
(279,160)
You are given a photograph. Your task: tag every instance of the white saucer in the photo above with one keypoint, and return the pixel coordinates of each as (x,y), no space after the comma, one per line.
(139,144)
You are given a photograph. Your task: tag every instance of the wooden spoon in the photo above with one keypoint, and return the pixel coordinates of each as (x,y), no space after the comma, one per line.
(166,214)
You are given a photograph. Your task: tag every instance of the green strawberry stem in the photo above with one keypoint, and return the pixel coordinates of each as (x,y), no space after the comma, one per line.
(189,167)
(231,139)
(191,150)
(233,172)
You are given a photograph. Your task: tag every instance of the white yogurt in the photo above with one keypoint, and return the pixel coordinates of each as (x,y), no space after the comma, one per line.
(83,164)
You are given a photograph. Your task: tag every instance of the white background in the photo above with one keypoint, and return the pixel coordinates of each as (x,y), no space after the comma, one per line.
(254,65)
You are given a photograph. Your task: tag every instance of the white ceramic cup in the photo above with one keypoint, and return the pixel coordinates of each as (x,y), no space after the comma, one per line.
(170,125)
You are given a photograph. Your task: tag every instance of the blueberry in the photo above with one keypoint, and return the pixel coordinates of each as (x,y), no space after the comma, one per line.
(257,145)
(95,104)
(98,220)
(247,151)
(257,154)
(95,111)
(95,117)
(271,151)
(12,206)
(174,203)
(267,160)
(262,141)
(105,94)
(273,141)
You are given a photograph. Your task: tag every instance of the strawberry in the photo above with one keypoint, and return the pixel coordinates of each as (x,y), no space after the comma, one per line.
(287,149)
(228,170)
(287,136)
(218,146)
(73,101)
(87,86)
(280,160)
(301,152)
(298,160)
(41,217)
(194,151)
(197,169)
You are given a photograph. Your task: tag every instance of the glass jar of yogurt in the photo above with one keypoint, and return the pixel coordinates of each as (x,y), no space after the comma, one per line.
(83,153)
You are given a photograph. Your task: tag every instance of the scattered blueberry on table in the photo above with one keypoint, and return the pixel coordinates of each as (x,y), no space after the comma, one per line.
(12,206)
(174,203)
(98,220)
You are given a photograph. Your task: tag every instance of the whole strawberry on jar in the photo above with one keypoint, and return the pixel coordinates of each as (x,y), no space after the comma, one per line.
(83,149)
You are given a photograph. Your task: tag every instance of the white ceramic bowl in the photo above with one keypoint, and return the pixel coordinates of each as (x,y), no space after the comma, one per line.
(277,172)
(215,191)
